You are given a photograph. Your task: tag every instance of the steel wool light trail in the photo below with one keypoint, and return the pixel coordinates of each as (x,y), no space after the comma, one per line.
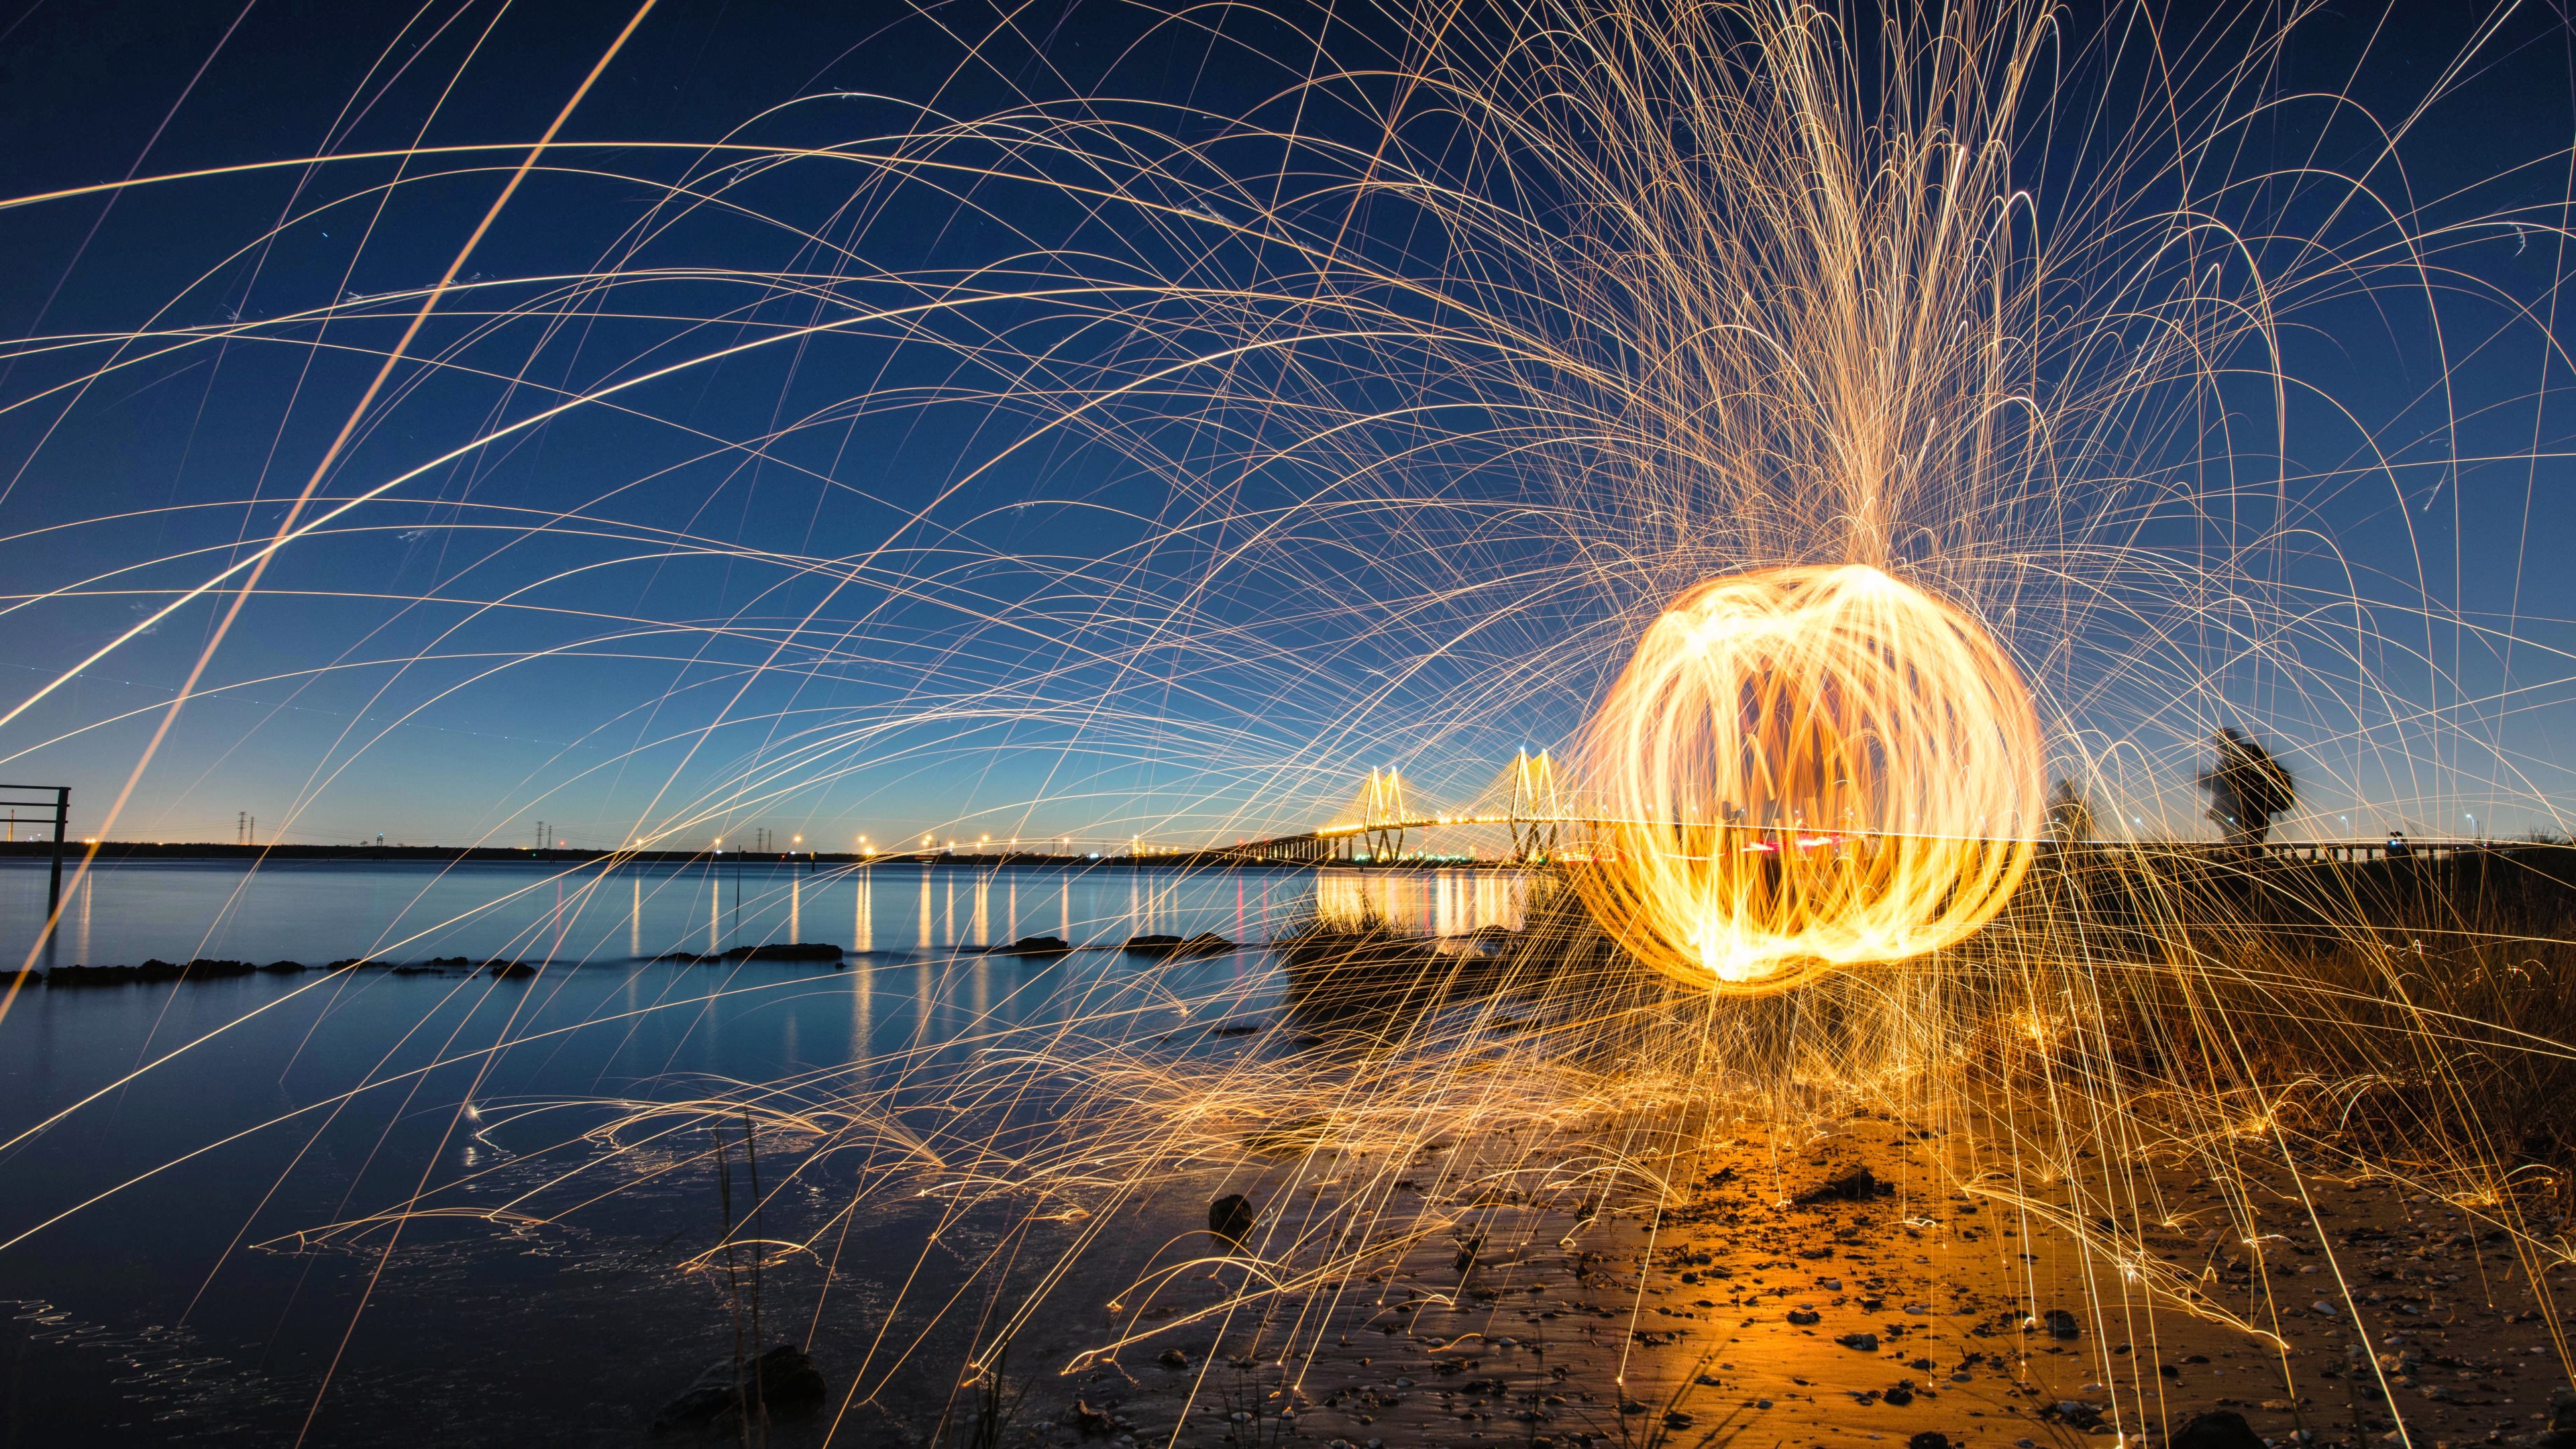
(1804,769)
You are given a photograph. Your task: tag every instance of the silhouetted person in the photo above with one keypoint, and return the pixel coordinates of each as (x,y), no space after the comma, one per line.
(2247,787)
(2070,815)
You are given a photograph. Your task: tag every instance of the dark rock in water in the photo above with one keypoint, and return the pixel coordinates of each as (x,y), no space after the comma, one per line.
(785,951)
(782,1384)
(2217,1429)
(1865,1342)
(1805,1317)
(1173,1358)
(355,962)
(1853,1187)
(283,968)
(1235,1028)
(1092,1421)
(1929,1439)
(449,961)
(511,970)
(1901,1395)
(1032,946)
(767,951)
(1205,943)
(2061,1324)
(156,969)
(1230,1217)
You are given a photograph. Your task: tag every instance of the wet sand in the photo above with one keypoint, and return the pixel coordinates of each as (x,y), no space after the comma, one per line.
(1904,1307)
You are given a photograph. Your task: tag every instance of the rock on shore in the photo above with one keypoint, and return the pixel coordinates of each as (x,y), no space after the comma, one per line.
(781,1384)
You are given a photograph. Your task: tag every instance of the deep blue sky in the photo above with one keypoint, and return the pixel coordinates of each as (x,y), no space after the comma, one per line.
(1068,640)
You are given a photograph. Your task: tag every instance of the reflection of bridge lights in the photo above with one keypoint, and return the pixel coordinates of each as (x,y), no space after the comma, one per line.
(1760,701)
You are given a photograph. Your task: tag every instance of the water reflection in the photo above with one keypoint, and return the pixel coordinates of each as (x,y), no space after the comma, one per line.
(539,1056)
(317,912)
(1434,903)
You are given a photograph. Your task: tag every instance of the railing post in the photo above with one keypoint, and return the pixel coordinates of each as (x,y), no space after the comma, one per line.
(62,819)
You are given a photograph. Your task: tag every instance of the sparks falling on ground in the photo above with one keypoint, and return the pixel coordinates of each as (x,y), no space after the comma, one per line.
(1823,426)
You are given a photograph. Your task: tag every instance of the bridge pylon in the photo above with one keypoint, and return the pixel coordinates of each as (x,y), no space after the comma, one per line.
(1536,812)
(1382,814)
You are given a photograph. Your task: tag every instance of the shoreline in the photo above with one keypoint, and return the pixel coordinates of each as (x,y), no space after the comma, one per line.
(1768,1300)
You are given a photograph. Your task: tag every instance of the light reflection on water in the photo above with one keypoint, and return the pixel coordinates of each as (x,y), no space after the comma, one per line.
(1434,903)
(322,911)
(165,1259)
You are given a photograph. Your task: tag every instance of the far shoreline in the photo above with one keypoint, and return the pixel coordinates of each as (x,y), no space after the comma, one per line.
(121,851)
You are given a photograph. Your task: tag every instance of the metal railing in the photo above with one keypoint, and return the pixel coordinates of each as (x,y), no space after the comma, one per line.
(62,808)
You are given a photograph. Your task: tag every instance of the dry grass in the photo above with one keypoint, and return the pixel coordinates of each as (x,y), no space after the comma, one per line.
(2422,1012)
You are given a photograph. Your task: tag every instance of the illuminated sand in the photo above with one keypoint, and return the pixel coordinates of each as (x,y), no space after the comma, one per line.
(1804,769)
(1729,1314)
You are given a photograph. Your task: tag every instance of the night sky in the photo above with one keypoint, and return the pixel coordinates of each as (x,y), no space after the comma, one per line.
(782,569)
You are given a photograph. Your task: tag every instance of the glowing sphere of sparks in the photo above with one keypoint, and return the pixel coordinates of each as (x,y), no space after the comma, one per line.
(1804,769)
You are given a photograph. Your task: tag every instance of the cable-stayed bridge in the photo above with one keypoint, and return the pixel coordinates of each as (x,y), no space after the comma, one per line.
(1523,798)
(1384,823)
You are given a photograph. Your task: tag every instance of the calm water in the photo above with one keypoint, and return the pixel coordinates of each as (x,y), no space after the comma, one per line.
(176,1272)
(325,911)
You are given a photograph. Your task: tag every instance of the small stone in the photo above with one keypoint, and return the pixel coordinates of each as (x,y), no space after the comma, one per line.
(2216,1429)
(783,1382)
(1929,1439)
(1230,1217)
(1173,1358)
(1864,1342)
(1802,1316)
